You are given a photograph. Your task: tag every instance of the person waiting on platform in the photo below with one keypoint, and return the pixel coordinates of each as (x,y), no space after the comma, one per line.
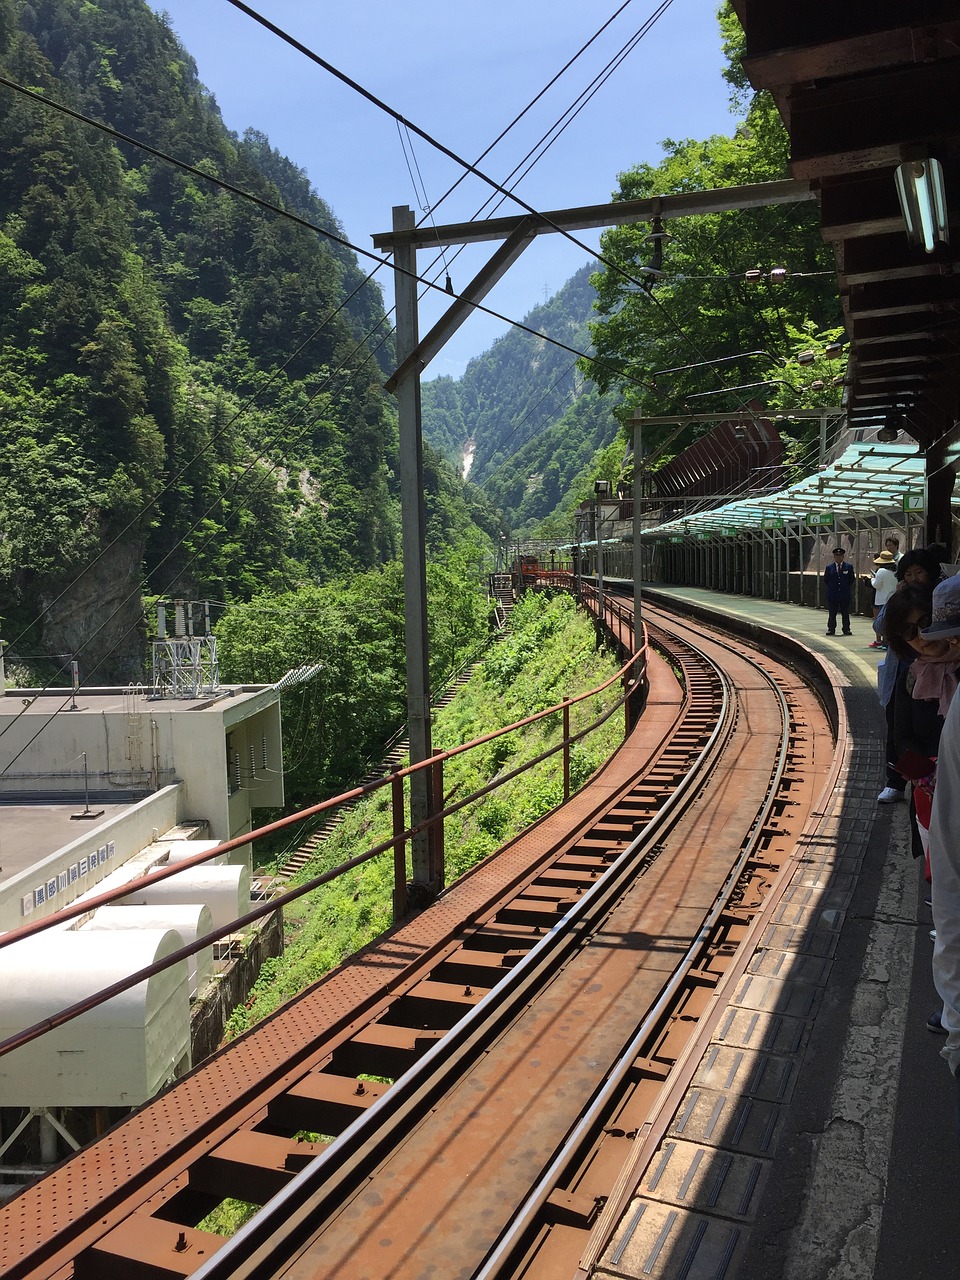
(916,568)
(884,583)
(892,545)
(838,579)
(921,699)
(945,846)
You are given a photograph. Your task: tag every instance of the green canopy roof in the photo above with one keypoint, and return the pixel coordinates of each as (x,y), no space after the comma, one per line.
(866,479)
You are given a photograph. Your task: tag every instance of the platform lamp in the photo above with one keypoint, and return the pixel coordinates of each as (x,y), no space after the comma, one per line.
(890,430)
(923,202)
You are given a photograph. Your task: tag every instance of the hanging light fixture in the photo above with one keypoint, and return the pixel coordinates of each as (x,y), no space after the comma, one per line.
(890,430)
(923,202)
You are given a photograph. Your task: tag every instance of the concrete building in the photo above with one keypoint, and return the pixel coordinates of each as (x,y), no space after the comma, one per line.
(89,779)
(99,786)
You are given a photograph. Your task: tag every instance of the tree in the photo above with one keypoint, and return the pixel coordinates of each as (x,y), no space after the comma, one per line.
(704,324)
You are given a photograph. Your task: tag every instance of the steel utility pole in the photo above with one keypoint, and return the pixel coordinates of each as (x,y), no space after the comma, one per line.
(637,533)
(413,528)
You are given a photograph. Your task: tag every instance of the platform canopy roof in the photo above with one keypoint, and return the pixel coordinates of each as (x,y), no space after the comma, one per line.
(867,479)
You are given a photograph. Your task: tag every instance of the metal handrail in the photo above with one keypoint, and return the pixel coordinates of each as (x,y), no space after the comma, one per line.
(397,842)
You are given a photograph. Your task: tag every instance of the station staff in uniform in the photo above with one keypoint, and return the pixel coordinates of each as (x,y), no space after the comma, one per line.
(838,579)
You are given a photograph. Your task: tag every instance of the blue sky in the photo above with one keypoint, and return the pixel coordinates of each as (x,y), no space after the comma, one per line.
(461,71)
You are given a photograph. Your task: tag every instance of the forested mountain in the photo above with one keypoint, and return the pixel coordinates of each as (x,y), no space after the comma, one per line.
(534,418)
(189,385)
(717,302)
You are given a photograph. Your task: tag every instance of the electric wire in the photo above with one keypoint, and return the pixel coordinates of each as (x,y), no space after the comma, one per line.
(547,139)
(268,205)
(309,53)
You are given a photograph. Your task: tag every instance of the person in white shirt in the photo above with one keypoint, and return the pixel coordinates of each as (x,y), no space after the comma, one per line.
(884,583)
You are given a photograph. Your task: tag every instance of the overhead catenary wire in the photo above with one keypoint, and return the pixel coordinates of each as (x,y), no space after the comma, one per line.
(265,204)
(323,231)
(371,97)
(547,139)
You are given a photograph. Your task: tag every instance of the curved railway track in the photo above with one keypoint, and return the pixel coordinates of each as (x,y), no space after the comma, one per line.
(472,1114)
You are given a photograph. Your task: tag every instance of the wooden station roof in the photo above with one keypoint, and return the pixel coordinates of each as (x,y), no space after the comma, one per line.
(863,85)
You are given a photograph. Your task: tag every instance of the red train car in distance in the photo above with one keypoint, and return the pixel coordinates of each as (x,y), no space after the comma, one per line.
(525,571)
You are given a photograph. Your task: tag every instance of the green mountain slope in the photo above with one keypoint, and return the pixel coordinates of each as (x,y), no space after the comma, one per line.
(534,420)
(190,386)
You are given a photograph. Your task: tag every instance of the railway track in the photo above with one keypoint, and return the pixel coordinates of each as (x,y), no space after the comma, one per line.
(470,1115)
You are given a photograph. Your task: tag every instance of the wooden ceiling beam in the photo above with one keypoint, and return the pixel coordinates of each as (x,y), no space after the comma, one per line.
(893,252)
(862,205)
(915,271)
(915,363)
(836,57)
(865,123)
(782,24)
(920,293)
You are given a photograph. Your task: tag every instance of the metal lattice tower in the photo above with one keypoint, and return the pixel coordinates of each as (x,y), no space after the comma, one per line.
(185,665)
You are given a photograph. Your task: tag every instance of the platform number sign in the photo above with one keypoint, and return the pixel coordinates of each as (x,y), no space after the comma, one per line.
(913,502)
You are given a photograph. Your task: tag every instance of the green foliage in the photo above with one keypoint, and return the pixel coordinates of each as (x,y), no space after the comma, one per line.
(228,1217)
(354,628)
(179,369)
(560,657)
(703,308)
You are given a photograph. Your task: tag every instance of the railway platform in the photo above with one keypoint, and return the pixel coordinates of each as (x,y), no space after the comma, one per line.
(806,1129)
(863,1178)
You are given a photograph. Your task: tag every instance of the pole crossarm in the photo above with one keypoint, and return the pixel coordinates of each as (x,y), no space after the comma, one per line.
(475,292)
(615,213)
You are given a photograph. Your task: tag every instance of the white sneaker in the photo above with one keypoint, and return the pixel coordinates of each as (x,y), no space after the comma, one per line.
(888,795)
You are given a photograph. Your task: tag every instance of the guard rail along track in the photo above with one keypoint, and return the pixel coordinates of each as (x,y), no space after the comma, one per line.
(476,1111)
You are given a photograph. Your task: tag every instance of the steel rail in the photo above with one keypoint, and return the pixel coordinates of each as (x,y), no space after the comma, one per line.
(213,1128)
(531,1210)
(287,1220)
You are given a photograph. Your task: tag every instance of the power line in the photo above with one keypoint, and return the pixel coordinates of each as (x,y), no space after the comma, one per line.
(309,53)
(341,240)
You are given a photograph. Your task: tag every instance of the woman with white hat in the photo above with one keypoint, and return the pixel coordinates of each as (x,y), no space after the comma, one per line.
(884,583)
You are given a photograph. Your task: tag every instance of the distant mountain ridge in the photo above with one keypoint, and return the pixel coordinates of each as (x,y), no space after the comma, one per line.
(534,421)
